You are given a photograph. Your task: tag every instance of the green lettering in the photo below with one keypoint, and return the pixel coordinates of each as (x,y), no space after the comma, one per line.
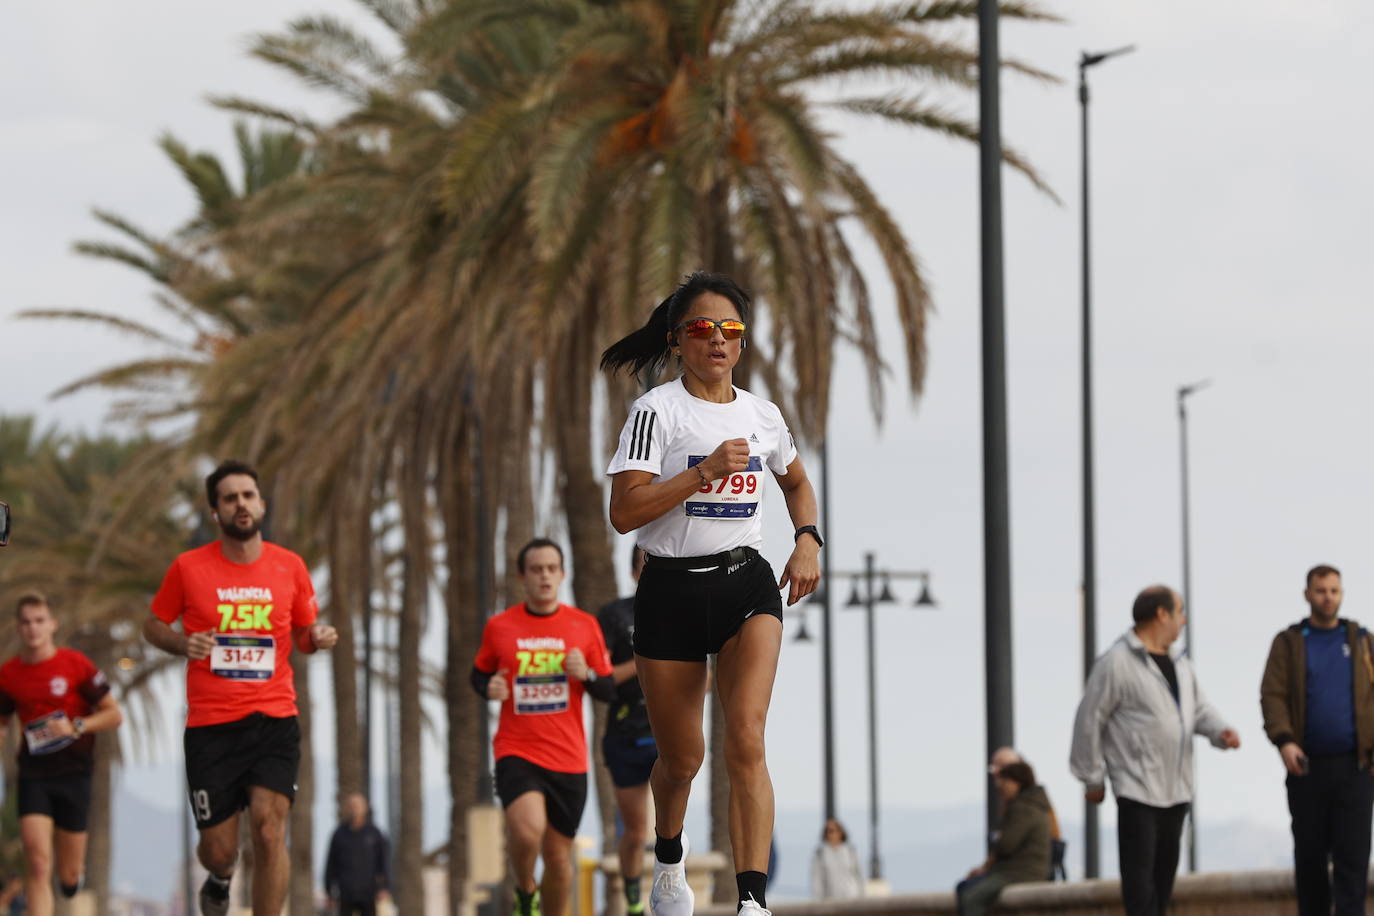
(524,658)
(226,616)
(262,617)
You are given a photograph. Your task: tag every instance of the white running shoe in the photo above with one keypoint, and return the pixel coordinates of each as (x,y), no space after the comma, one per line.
(750,907)
(671,896)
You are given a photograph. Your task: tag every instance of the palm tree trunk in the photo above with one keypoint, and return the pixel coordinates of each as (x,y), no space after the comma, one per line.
(409,875)
(302,827)
(581,482)
(465,618)
(343,659)
(100,846)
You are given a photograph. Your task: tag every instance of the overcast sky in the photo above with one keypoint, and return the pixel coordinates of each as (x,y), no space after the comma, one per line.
(1231,196)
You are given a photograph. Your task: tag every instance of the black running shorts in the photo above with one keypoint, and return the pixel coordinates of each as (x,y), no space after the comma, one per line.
(565,794)
(685,615)
(65,799)
(629,759)
(223,761)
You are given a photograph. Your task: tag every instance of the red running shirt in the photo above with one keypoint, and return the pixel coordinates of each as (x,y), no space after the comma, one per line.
(541,721)
(68,683)
(251,608)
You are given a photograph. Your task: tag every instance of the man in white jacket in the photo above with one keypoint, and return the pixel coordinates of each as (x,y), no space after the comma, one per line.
(1136,722)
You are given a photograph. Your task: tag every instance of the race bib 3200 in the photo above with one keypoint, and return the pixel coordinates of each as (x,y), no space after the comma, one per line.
(540,694)
(732,497)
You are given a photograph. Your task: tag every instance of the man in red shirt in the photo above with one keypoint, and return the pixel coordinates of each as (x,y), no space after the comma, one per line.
(61,700)
(244,603)
(538,659)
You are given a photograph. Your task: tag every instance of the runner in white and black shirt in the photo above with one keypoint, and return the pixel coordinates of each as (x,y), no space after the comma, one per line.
(688,477)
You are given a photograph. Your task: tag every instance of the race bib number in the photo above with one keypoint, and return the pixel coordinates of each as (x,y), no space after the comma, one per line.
(244,658)
(734,496)
(39,737)
(540,694)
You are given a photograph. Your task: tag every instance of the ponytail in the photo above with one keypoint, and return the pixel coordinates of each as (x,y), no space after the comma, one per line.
(648,347)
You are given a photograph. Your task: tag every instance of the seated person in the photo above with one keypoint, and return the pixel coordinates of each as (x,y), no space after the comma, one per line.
(1022,850)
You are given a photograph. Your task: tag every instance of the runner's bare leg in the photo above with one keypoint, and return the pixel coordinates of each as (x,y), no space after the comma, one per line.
(268,811)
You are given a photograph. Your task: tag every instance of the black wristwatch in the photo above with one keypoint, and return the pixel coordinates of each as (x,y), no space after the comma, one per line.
(811,530)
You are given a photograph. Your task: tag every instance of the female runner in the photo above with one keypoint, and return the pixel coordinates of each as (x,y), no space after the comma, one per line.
(688,476)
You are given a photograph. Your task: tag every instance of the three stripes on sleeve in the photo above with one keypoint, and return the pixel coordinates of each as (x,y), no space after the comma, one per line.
(642,435)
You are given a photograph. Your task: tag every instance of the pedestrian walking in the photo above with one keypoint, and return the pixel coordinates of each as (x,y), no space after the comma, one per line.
(357,870)
(1140,710)
(1317,697)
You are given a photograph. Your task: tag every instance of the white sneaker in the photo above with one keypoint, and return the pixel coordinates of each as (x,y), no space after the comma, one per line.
(750,907)
(670,895)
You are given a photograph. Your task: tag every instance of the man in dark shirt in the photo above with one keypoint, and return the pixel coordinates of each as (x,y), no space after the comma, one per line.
(628,745)
(357,872)
(1317,697)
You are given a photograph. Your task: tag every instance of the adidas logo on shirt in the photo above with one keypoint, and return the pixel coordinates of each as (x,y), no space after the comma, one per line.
(754,438)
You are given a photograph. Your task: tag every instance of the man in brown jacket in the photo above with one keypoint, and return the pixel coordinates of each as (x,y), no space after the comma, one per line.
(1317,697)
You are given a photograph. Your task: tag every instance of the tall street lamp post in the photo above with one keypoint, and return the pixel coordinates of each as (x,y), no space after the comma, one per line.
(1090,831)
(1184,391)
(827,645)
(997,654)
(866,600)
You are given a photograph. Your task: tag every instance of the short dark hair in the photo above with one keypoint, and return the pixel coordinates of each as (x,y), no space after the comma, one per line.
(535,545)
(1150,601)
(224,470)
(29,599)
(1020,773)
(844,834)
(1320,570)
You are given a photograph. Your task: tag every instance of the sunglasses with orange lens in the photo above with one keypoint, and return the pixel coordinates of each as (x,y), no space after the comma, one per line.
(730,328)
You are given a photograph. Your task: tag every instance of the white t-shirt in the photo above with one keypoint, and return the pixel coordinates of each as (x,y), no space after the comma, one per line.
(669,431)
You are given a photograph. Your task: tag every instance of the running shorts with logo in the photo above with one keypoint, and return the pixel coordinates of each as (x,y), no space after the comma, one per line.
(225,761)
(628,746)
(54,772)
(251,610)
(541,720)
(686,614)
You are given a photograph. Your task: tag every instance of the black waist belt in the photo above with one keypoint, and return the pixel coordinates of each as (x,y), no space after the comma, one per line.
(730,558)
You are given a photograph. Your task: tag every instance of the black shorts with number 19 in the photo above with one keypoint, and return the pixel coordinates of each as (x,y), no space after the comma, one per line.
(685,615)
(224,761)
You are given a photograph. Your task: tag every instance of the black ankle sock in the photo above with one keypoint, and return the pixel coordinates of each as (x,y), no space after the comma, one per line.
(631,890)
(217,886)
(524,900)
(69,890)
(668,851)
(752,883)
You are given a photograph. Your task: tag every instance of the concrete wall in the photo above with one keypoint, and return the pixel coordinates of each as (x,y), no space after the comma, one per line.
(1251,893)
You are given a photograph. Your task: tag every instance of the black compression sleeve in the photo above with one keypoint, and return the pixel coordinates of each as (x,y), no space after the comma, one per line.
(603,688)
(479,680)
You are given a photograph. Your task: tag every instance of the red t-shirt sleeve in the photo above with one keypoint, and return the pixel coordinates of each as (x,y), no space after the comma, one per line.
(170,598)
(488,660)
(91,683)
(306,608)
